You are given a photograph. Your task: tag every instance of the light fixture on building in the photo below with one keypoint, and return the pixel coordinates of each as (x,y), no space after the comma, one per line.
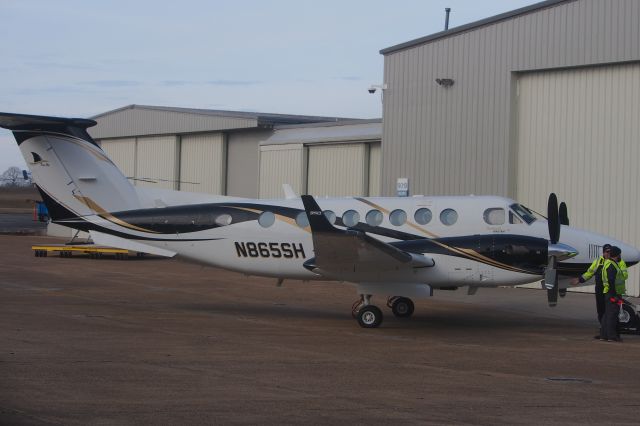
(445,82)
(372,89)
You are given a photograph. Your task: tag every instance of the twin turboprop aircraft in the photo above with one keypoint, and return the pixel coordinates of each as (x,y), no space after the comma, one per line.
(402,248)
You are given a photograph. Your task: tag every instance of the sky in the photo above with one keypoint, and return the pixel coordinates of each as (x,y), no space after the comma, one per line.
(84,57)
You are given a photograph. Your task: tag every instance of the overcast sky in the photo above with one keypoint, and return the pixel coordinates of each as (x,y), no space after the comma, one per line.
(83,57)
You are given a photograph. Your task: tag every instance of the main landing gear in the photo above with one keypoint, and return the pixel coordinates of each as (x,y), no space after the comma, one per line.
(370,316)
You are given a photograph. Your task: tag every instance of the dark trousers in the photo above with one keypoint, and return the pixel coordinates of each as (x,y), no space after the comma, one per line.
(609,323)
(600,306)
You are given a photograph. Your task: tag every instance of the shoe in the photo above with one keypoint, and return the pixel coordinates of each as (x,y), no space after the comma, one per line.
(616,339)
(597,337)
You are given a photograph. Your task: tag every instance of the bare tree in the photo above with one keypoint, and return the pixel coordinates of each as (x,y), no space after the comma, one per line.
(12,177)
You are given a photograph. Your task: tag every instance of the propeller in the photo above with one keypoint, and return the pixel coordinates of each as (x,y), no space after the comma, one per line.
(556,216)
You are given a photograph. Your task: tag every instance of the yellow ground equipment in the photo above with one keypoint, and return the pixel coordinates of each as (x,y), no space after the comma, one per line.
(93,251)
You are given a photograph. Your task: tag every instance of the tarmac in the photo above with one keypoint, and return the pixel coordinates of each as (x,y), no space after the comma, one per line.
(20,224)
(155,341)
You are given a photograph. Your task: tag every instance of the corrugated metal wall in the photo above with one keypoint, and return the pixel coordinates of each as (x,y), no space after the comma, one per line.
(374,169)
(243,162)
(123,153)
(338,170)
(578,136)
(458,140)
(203,163)
(282,164)
(156,159)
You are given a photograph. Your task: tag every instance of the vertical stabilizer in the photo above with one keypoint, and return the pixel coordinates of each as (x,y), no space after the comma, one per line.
(74,175)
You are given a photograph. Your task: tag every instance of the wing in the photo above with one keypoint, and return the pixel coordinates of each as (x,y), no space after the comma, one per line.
(339,253)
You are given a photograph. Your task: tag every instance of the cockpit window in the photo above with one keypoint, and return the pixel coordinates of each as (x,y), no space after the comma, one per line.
(523,213)
(514,219)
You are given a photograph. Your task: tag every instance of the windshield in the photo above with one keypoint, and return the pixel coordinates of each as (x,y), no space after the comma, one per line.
(524,213)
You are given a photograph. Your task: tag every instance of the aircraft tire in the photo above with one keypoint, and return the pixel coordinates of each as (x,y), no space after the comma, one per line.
(631,320)
(402,307)
(370,316)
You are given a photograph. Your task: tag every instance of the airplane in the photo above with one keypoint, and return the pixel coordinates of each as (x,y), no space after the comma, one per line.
(400,247)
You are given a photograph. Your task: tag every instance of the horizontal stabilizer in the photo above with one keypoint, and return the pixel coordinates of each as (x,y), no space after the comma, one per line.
(103,239)
(40,122)
(25,126)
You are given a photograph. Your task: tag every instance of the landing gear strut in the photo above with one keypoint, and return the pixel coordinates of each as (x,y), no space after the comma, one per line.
(402,307)
(369,316)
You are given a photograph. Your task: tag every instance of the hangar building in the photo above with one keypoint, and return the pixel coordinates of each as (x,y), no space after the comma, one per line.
(541,99)
(240,153)
(323,159)
(198,150)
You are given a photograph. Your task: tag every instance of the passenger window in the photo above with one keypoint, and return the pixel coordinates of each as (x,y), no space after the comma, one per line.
(494,216)
(398,217)
(423,216)
(223,220)
(331,216)
(448,217)
(266,219)
(302,220)
(350,218)
(374,217)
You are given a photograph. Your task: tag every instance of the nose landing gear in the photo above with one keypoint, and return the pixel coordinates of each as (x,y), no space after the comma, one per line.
(368,315)
(628,319)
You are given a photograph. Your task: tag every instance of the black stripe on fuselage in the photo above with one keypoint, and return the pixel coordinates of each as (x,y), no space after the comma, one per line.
(199,217)
(61,215)
(56,210)
(84,225)
(524,253)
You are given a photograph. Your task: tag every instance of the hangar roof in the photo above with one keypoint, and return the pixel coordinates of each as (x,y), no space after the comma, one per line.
(139,120)
(473,25)
(343,131)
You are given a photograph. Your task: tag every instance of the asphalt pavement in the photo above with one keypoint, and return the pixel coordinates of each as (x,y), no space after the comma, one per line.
(153,341)
(21,224)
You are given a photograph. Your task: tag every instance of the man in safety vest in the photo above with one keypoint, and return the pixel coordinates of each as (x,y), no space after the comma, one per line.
(596,270)
(613,283)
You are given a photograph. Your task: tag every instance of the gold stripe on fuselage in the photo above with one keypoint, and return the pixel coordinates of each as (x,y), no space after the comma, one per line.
(468,253)
(108,216)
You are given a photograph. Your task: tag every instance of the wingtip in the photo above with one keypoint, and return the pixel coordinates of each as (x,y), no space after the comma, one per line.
(317,220)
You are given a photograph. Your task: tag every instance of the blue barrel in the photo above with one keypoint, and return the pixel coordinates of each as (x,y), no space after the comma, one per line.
(43,213)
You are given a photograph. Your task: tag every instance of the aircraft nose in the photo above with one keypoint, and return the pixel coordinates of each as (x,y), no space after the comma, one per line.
(630,253)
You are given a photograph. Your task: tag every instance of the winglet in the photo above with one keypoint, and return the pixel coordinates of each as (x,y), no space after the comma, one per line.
(317,220)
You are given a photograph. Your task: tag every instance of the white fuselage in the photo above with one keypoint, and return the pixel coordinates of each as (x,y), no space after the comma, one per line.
(280,249)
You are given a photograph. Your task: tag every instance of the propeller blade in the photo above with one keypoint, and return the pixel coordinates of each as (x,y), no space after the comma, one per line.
(552,218)
(563,214)
(551,282)
(552,296)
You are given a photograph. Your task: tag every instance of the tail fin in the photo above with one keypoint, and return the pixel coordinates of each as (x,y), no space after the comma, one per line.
(74,175)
